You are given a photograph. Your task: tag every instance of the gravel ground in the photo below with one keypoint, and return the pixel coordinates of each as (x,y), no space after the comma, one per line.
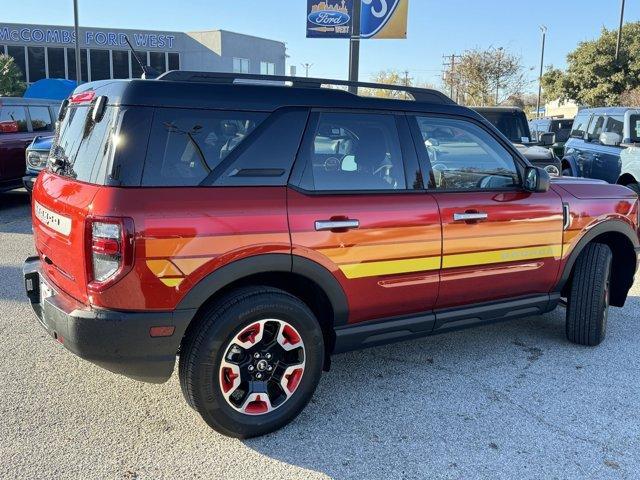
(513,400)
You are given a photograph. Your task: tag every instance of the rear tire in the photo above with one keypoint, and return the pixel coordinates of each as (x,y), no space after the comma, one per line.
(588,300)
(566,172)
(238,339)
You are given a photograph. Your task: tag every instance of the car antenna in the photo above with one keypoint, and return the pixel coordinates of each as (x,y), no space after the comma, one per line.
(148,72)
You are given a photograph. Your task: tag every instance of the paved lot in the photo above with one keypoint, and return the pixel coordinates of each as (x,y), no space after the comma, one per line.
(505,401)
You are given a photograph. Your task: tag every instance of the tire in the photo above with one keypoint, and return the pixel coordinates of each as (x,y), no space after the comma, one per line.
(588,300)
(218,367)
(567,172)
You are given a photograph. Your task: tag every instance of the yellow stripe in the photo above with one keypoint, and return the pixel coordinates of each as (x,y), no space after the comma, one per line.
(372,269)
(501,256)
(172,282)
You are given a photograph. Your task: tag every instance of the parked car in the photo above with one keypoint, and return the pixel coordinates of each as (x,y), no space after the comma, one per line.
(598,139)
(512,123)
(254,229)
(559,127)
(37,155)
(21,119)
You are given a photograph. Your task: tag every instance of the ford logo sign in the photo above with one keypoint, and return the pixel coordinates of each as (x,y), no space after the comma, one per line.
(329,18)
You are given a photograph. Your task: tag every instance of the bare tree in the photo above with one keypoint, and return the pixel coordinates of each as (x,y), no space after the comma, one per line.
(392,77)
(486,77)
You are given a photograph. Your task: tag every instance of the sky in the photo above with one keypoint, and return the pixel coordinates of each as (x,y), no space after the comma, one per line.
(436,28)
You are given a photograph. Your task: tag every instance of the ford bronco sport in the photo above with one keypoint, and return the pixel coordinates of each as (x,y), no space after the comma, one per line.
(252,226)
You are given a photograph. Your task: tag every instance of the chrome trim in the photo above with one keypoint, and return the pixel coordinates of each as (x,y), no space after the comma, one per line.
(322,225)
(465,217)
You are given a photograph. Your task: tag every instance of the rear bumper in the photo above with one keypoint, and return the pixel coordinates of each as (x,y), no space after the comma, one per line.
(117,341)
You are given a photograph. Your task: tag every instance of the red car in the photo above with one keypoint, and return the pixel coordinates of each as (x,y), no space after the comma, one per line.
(21,120)
(253,228)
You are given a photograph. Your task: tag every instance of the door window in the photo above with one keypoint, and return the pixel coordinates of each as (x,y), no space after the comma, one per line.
(463,156)
(40,119)
(354,151)
(595,127)
(13,119)
(580,125)
(615,124)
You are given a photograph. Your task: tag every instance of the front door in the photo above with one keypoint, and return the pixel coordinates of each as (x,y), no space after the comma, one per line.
(357,206)
(499,241)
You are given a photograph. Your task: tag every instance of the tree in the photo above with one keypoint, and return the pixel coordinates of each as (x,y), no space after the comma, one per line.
(593,77)
(392,77)
(486,77)
(11,85)
(630,98)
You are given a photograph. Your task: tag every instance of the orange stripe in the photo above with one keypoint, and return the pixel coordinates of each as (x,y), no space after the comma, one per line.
(367,236)
(210,245)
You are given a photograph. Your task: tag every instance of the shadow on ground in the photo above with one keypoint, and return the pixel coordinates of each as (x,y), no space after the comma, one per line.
(15,212)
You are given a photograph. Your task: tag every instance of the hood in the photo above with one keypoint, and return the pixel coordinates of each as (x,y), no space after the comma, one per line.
(534,153)
(585,188)
(41,143)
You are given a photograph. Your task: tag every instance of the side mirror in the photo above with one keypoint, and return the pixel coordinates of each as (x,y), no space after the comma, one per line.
(610,139)
(536,180)
(98,109)
(547,139)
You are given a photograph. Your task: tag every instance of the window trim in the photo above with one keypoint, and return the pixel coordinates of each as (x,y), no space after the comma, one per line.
(300,163)
(519,162)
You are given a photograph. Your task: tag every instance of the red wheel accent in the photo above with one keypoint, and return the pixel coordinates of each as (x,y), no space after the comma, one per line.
(293,379)
(250,333)
(227,377)
(257,406)
(290,335)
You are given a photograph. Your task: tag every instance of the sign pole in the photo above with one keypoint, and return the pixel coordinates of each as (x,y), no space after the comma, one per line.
(354,46)
(76,29)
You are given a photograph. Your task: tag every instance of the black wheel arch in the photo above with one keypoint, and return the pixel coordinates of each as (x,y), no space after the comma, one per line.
(624,244)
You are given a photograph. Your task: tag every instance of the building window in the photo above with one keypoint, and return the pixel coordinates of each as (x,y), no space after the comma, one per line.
(18,57)
(71,64)
(174,61)
(158,61)
(267,68)
(37,69)
(120,63)
(240,65)
(2,49)
(136,71)
(100,68)
(55,59)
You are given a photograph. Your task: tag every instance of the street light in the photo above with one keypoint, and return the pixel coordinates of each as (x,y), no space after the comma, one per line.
(543,29)
(620,31)
(76,29)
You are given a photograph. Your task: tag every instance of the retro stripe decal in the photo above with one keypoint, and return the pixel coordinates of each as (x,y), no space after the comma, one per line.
(390,267)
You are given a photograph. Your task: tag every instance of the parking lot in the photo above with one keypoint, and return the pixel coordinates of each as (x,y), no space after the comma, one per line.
(512,400)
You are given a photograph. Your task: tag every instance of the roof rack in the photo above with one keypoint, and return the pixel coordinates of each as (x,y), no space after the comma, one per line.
(418,94)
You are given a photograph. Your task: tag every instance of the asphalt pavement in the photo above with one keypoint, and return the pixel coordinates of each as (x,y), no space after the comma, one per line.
(512,400)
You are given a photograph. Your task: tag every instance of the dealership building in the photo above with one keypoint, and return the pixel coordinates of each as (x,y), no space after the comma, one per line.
(48,51)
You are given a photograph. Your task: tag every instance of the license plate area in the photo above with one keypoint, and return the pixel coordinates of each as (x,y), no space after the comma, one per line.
(45,291)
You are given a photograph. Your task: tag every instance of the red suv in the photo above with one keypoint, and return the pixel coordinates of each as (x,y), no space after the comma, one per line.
(21,120)
(253,226)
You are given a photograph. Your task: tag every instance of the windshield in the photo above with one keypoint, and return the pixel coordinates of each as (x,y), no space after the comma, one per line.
(83,147)
(512,125)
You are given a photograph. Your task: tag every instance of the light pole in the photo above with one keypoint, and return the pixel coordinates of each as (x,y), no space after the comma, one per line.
(77,32)
(354,46)
(306,67)
(498,76)
(620,30)
(543,29)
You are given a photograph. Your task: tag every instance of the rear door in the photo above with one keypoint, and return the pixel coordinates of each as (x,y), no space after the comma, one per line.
(499,241)
(591,159)
(606,163)
(14,139)
(357,206)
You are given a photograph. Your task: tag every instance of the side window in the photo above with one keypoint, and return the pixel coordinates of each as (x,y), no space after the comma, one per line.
(354,151)
(595,127)
(580,125)
(463,156)
(615,124)
(186,145)
(40,119)
(634,126)
(13,119)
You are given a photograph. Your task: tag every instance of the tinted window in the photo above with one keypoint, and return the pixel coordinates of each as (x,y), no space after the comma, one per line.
(36,63)
(120,63)
(83,145)
(634,124)
(40,118)
(512,125)
(18,56)
(13,119)
(55,58)
(100,69)
(174,61)
(352,151)
(580,125)
(557,125)
(596,127)
(615,124)
(71,64)
(463,156)
(186,145)
(157,61)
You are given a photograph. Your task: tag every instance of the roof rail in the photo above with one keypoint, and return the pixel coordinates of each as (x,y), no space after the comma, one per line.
(418,94)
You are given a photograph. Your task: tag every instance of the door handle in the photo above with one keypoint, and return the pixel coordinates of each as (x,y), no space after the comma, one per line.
(336,225)
(470,217)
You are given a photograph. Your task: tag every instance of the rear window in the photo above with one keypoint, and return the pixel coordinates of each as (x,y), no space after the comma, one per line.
(40,118)
(83,146)
(186,145)
(13,119)
(580,125)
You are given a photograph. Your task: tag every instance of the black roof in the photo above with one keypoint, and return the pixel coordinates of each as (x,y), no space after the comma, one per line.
(260,93)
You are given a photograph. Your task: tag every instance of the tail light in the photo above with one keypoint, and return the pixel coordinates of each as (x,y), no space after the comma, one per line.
(109,251)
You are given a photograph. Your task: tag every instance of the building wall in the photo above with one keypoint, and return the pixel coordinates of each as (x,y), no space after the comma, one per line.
(557,108)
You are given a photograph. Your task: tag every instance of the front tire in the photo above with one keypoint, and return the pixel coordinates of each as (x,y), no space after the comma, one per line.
(588,300)
(253,363)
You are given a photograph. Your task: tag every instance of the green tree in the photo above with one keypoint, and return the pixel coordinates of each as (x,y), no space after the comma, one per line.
(593,77)
(11,84)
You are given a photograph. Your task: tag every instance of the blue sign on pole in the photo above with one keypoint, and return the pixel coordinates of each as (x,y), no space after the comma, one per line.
(329,18)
